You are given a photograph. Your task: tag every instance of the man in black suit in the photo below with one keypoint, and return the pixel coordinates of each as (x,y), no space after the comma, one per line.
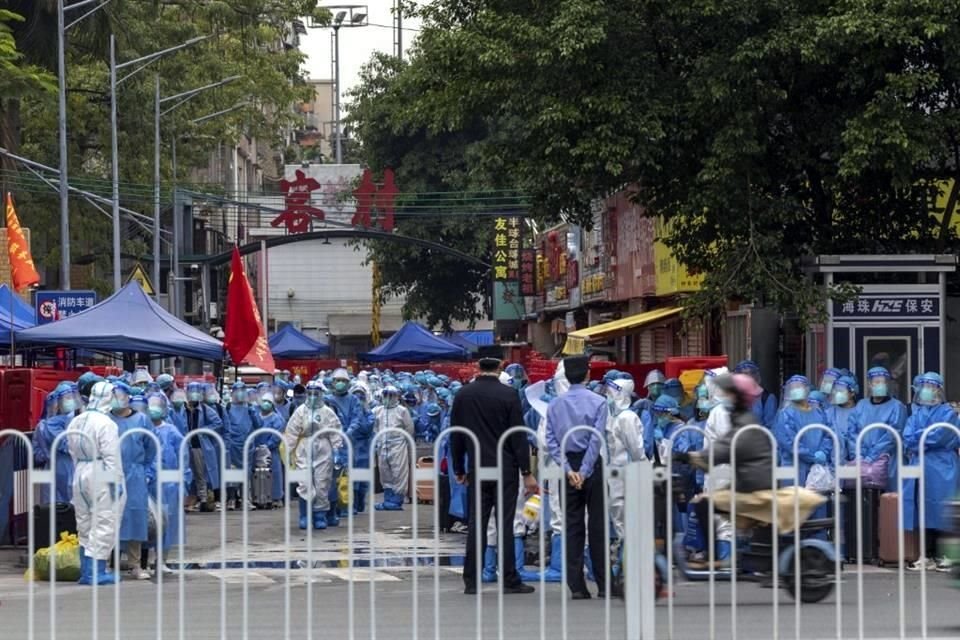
(488,409)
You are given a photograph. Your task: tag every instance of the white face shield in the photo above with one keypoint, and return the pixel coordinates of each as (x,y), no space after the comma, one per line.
(620,393)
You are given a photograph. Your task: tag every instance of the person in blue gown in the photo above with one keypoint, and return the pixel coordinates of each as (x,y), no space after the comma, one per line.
(270,418)
(240,421)
(172,457)
(429,423)
(877,406)
(61,408)
(360,435)
(816,445)
(766,406)
(138,454)
(843,399)
(941,468)
(190,413)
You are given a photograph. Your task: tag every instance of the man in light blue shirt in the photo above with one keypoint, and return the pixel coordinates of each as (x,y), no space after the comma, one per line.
(579,455)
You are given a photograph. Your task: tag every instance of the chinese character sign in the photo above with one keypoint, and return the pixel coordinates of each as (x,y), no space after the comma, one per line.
(528,272)
(57,305)
(375,199)
(889,307)
(507,243)
(298,211)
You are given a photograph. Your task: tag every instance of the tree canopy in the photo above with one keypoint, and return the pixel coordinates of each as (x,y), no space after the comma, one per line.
(766,130)
(247,38)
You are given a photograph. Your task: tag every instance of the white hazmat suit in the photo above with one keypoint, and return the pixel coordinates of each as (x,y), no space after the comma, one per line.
(298,440)
(98,501)
(393,456)
(624,442)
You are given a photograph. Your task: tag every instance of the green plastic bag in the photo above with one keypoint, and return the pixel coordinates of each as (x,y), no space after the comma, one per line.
(65,554)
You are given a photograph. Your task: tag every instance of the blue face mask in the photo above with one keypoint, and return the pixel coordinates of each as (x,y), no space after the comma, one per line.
(69,406)
(841,398)
(927,395)
(797,394)
(879,390)
(663,421)
(704,404)
(155,413)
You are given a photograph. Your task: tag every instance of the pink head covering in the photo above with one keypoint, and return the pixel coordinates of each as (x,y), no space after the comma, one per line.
(747,386)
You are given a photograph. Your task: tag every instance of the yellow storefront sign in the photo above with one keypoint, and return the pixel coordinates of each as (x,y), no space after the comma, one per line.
(672,275)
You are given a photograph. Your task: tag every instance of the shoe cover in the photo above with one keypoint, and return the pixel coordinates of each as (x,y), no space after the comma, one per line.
(489,565)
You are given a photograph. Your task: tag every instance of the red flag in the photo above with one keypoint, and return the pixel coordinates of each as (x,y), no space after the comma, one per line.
(259,355)
(23,273)
(243,325)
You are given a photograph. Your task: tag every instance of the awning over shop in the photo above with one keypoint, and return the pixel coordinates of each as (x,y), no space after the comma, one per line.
(577,341)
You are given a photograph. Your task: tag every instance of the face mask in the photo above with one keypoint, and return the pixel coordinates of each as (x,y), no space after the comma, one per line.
(826,387)
(841,398)
(156,413)
(798,394)
(880,390)
(612,404)
(69,406)
(195,396)
(267,407)
(663,421)
(115,405)
(927,395)
(655,390)
(341,387)
(703,404)
(211,399)
(313,401)
(178,404)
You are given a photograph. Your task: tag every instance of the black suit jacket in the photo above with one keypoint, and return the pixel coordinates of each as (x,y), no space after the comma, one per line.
(488,408)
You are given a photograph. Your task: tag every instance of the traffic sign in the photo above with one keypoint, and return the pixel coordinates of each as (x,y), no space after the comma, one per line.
(140,275)
(57,305)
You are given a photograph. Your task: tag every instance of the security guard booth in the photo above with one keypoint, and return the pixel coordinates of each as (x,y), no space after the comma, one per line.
(898,320)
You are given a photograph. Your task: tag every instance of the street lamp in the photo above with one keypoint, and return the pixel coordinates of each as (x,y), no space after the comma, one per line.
(175,253)
(180,99)
(143,62)
(353,15)
(62,27)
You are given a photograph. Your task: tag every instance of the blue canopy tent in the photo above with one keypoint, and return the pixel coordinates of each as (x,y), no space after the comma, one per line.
(23,317)
(460,341)
(291,343)
(413,343)
(22,311)
(126,321)
(479,338)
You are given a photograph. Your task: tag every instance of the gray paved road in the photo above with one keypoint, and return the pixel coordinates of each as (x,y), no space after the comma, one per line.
(206,586)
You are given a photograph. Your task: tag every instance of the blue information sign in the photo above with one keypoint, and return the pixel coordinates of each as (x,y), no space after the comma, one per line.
(57,305)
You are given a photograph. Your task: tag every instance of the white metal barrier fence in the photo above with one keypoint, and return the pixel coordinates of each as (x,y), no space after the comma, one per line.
(418,608)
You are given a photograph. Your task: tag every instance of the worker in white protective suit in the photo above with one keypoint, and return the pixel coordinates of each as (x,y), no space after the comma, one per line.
(391,421)
(310,438)
(98,499)
(718,425)
(624,442)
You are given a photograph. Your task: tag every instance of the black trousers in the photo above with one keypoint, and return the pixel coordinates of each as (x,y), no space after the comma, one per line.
(588,500)
(506,503)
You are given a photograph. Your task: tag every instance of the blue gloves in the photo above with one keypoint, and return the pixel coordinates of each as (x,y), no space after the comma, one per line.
(820,457)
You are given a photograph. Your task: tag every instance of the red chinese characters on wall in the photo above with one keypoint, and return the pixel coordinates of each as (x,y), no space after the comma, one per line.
(298,211)
(375,199)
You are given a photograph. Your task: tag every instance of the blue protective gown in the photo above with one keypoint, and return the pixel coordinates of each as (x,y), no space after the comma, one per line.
(241,420)
(649,430)
(686,442)
(360,435)
(941,466)
(283,408)
(348,407)
(837,419)
(139,456)
(274,421)
(765,407)
(878,441)
(209,418)
(43,438)
(790,421)
(170,447)
(427,428)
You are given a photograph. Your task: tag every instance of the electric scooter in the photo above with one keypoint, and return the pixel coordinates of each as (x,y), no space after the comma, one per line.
(755,561)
